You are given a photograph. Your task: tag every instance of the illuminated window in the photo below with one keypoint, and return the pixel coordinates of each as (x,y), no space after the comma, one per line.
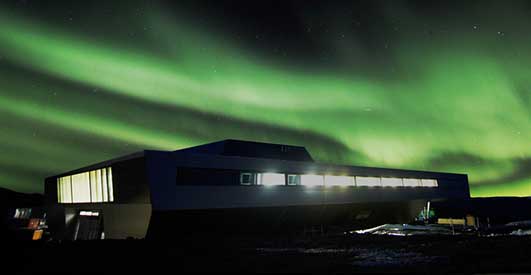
(294,180)
(59,191)
(92,186)
(247,179)
(80,188)
(392,182)
(37,234)
(429,183)
(271,179)
(338,181)
(312,180)
(22,213)
(104,184)
(95,187)
(89,213)
(412,182)
(66,189)
(99,187)
(109,184)
(368,181)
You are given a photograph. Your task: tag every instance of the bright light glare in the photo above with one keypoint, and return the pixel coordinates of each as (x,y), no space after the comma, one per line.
(312,180)
(339,181)
(271,179)
(392,182)
(89,213)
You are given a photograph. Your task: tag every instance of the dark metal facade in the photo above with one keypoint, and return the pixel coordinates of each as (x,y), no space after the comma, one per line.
(198,188)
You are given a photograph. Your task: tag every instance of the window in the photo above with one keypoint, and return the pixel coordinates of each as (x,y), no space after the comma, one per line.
(104,184)
(339,181)
(80,188)
(429,183)
(247,179)
(22,213)
(64,186)
(368,181)
(412,182)
(92,186)
(271,179)
(89,213)
(99,186)
(312,180)
(109,184)
(392,182)
(294,180)
(281,179)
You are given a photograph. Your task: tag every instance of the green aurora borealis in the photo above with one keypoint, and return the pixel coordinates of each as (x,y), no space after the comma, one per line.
(447,92)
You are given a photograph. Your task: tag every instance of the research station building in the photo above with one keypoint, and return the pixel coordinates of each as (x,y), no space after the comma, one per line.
(234,186)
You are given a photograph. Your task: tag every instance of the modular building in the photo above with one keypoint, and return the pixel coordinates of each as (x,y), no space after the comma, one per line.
(237,187)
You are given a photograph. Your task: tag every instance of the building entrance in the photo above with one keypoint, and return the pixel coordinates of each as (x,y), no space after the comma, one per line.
(89,225)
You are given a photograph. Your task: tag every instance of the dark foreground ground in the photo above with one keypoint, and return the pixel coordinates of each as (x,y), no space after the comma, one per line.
(424,254)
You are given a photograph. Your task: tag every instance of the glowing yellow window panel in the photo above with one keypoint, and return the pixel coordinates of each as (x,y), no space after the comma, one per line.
(92,186)
(110,184)
(80,188)
(67,189)
(104,185)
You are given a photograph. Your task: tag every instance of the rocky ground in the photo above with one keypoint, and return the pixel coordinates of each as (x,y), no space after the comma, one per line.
(413,254)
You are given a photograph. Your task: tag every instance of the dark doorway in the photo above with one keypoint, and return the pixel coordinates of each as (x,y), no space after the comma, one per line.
(89,225)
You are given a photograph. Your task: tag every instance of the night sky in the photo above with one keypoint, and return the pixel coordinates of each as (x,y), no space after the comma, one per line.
(414,85)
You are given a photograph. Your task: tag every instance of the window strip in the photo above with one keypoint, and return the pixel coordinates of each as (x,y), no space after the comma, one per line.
(104,185)
(109,183)
(71,190)
(90,187)
(86,187)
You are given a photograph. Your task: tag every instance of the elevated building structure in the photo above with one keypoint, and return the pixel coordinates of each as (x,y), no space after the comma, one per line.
(234,186)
